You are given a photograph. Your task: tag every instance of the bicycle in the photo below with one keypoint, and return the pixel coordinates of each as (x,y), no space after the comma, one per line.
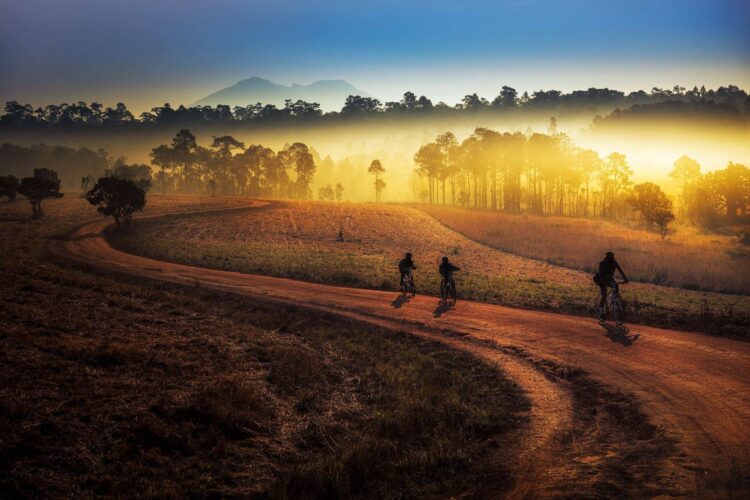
(407,285)
(448,291)
(614,306)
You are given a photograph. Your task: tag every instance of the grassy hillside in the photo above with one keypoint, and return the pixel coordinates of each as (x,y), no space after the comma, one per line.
(687,258)
(121,388)
(299,240)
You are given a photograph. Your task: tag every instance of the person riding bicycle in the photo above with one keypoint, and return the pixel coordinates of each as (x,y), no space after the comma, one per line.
(606,276)
(447,269)
(406,266)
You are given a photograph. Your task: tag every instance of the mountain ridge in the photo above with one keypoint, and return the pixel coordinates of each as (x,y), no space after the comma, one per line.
(330,94)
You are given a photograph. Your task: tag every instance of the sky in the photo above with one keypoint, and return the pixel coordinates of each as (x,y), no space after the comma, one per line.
(145,53)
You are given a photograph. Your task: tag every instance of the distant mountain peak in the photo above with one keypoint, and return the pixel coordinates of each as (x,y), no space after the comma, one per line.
(330,94)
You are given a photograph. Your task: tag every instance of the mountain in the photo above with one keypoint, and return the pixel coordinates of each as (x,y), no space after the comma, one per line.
(330,94)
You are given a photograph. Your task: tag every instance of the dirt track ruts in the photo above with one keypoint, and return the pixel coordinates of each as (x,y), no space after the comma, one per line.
(695,387)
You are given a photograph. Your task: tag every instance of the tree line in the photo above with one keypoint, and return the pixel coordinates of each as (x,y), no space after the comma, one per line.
(228,167)
(547,174)
(728,99)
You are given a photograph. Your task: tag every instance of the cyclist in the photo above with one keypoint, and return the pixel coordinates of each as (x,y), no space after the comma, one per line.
(406,266)
(446,270)
(606,276)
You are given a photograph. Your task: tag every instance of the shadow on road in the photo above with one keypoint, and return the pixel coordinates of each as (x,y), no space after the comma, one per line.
(440,309)
(399,301)
(619,334)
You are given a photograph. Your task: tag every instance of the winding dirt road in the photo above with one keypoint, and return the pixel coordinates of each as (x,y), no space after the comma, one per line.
(694,388)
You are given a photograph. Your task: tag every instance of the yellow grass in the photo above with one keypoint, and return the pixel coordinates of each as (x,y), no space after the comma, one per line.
(299,240)
(687,258)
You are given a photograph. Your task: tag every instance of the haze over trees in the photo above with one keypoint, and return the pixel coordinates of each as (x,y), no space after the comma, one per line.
(547,174)
(727,103)
(70,163)
(229,167)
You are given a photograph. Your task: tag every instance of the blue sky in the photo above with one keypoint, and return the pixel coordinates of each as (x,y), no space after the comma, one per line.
(148,52)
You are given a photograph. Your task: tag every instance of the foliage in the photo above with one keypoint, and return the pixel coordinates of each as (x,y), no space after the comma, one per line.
(9,187)
(118,198)
(68,162)
(718,197)
(653,204)
(726,103)
(44,184)
(230,167)
(376,168)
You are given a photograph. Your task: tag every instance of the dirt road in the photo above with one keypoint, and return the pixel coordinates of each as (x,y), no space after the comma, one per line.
(589,386)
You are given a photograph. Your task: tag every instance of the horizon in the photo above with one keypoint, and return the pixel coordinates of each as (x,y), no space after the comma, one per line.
(147,55)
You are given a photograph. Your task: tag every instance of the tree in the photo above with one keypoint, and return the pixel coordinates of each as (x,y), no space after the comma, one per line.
(298,157)
(589,163)
(614,177)
(8,187)
(508,98)
(117,198)
(687,171)
(650,201)
(139,174)
(325,193)
(662,217)
(339,192)
(429,160)
(731,189)
(377,170)
(85,182)
(44,184)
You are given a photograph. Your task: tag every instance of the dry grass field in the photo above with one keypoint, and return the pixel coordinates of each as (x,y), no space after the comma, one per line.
(299,240)
(687,258)
(115,387)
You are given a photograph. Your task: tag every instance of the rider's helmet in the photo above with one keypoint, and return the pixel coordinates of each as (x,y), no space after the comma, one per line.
(445,259)
(408,256)
(610,256)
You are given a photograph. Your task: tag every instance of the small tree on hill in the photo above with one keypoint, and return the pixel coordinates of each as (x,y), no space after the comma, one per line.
(648,198)
(118,198)
(44,184)
(8,187)
(377,169)
(339,192)
(662,217)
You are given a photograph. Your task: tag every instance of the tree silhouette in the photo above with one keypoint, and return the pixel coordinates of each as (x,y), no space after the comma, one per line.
(326,193)
(662,217)
(377,170)
(651,202)
(44,184)
(8,187)
(613,177)
(339,192)
(117,198)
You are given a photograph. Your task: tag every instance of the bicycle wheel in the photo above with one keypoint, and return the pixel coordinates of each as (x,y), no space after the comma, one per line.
(404,287)
(412,288)
(443,290)
(452,294)
(599,310)
(618,310)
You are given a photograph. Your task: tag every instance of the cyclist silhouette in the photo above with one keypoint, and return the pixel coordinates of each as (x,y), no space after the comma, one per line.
(446,270)
(606,276)
(406,265)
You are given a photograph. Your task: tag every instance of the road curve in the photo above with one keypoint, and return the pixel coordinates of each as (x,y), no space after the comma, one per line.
(693,386)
